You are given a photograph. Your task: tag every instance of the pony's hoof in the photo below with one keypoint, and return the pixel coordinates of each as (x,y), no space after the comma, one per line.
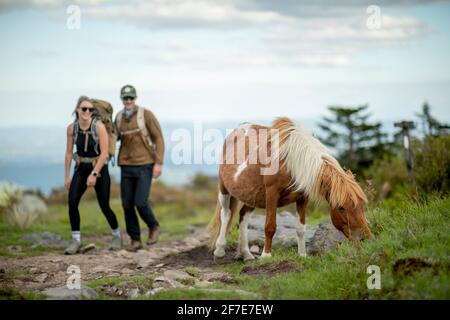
(219,253)
(265,255)
(302,254)
(248,258)
(218,260)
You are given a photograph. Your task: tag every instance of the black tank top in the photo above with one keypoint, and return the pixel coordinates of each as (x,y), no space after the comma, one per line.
(86,149)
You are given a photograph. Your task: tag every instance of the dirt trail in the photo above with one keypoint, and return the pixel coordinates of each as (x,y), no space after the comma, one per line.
(35,273)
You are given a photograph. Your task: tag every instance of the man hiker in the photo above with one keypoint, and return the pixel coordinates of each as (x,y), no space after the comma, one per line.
(141,156)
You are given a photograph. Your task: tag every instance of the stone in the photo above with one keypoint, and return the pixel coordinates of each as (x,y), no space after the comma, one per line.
(254,249)
(177,275)
(31,203)
(88,248)
(101,269)
(237,291)
(154,291)
(202,283)
(46,240)
(64,293)
(143,259)
(164,282)
(160,265)
(125,254)
(286,233)
(126,271)
(326,238)
(41,278)
(14,249)
(192,241)
(218,276)
(133,292)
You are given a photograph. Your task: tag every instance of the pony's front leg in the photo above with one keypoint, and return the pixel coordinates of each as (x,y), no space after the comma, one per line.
(225,215)
(301,205)
(272,197)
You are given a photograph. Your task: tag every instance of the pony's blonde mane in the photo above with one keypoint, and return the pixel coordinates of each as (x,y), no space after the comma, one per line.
(312,168)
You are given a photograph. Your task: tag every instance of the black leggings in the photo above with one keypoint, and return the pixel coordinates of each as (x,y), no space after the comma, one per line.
(102,188)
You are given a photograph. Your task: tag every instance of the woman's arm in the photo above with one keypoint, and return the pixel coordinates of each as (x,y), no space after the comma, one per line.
(68,156)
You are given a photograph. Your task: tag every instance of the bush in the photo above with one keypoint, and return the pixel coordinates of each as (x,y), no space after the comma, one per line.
(432,164)
(9,196)
(389,169)
(19,207)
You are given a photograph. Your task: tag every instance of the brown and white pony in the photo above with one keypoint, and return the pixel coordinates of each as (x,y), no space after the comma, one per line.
(305,170)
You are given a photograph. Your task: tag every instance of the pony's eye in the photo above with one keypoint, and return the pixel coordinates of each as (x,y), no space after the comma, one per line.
(341,209)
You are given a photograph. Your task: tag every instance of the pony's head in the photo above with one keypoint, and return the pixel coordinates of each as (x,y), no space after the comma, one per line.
(350,220)
(347,200)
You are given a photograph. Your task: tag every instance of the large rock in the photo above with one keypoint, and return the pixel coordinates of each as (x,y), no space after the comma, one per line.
(31,203)
(319,239)
(45,239)
(64,293)
(286,233)
(326,238)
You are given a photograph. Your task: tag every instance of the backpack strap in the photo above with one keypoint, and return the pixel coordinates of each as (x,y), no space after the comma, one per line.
(142,127)
(76,128)
(119,122)
(94,134)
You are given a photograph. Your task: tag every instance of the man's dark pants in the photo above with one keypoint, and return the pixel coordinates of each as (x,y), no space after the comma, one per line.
(135,186)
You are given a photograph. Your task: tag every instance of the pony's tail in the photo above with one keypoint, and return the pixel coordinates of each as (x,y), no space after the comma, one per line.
(215,223)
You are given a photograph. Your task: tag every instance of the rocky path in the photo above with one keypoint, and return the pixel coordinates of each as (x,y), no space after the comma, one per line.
(183,263)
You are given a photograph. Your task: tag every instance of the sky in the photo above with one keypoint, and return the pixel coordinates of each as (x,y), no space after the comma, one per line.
(224,60)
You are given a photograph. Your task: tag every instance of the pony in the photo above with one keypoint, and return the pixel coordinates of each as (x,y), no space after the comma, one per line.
(298,168)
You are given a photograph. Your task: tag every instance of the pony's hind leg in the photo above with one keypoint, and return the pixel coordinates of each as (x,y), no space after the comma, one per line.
(301,205)
(225,216)
(242,250)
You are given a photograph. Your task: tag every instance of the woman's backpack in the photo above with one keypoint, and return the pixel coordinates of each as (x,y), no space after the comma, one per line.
(103,112)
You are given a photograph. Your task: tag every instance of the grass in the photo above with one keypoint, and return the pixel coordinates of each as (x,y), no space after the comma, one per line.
(404,230)
(409,231)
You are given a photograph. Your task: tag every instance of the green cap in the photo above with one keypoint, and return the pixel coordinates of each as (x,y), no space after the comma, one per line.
(128,91)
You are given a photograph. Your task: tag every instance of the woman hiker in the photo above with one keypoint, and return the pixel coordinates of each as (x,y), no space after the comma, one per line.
(90,137)
(141,156)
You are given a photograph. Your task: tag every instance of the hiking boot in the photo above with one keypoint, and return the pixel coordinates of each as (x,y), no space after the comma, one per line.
(116,243)
(135,245)
(73,247)
(153,235)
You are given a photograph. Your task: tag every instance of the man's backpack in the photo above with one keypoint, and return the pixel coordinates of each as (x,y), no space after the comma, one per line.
(103,112)
(142,128)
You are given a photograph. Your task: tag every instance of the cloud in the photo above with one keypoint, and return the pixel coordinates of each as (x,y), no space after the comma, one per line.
(13,4)
(186,14)
(288,32)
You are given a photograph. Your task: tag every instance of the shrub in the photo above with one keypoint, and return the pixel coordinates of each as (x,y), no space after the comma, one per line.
(432,164)
(19,207)
(9,195)
(389,169)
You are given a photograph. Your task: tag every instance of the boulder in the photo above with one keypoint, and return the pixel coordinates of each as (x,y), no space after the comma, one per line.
(45,239)
(319,239)
(64,293)
(286,233)
(326,238)
(32,203)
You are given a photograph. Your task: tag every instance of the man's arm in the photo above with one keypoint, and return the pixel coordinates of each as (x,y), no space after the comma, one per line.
(156,135)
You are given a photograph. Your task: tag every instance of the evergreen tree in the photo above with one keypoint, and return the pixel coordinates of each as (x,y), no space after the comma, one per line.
(357,141)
